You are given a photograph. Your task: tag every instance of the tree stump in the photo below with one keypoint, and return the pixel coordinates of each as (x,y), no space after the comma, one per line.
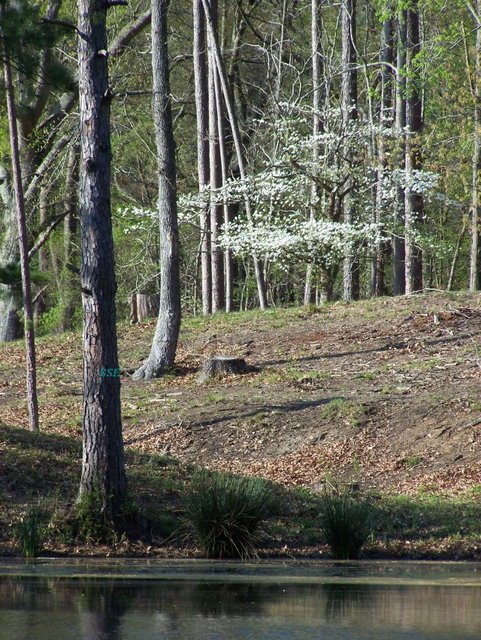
(142,306)
(220,366)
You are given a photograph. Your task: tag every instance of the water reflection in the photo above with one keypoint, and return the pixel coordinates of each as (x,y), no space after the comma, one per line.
(101,609)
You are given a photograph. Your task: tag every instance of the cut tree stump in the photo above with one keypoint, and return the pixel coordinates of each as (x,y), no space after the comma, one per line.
(142,306)
(220,366)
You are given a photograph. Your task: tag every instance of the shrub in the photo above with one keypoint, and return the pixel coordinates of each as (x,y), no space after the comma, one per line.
(30,533)
(347,521)
(225,511)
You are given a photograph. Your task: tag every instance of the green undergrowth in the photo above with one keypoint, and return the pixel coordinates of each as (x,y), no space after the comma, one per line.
(39,476)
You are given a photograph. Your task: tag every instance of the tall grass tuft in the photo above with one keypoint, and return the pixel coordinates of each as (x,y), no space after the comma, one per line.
(347,521)
(30,533)
(225,511)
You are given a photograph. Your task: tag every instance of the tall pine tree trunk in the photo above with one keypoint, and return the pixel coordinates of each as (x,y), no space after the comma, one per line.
(164,344)
(103,471)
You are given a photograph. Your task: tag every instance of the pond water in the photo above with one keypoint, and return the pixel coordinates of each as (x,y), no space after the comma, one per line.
(187,600)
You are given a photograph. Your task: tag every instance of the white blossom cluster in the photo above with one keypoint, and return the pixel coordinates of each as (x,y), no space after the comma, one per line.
(137,220)
(319,241)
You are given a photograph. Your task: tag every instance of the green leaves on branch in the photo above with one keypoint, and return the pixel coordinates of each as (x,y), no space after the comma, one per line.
(26,37)
(11,276)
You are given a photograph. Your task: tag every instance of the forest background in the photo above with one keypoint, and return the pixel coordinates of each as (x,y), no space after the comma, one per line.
(359,125)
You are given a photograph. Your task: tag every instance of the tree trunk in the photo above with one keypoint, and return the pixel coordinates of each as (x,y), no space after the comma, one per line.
(103,471)
(23,245)
(398,244)
(201,106)
(215,173)
(386,114)
(414,203)
(349,113)
(261,285)
(476,165)
(70,284)
(164,345)
(228,282)
(317,71)
(40,305)
(143,306)
(10,295)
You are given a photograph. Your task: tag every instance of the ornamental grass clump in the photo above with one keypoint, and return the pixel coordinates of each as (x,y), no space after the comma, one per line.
(30,533)
(225,512)
(347,521)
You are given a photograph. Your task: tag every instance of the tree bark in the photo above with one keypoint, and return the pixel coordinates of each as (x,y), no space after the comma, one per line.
(201,107)
(164,344)
(349,114)
(103,470)
(22,244)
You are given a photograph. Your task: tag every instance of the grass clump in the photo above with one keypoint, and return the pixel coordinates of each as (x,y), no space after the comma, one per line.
(225,512)
(347,521)
(30,533)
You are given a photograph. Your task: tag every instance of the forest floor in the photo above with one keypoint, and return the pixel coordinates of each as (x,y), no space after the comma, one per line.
(382,393)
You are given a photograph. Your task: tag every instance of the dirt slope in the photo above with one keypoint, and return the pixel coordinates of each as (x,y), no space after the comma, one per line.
(386,392)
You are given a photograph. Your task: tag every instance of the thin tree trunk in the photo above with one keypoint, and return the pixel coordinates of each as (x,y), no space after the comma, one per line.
(414,205)
(215,169)
(317,72)
(454,262)
(70,239)
(23,247)
(164,345)
(349,114)
(386,121)
(398,244)
(261,285)
(103,470)
(228,282)
(476,165)
(201,106)
(41,300)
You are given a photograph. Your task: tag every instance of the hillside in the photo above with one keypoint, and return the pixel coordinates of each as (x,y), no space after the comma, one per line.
(388,389)
(384,393)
